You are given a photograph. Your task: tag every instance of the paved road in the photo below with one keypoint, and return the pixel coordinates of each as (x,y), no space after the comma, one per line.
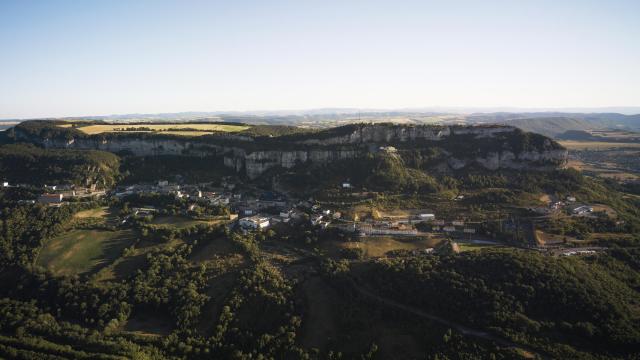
(460,328)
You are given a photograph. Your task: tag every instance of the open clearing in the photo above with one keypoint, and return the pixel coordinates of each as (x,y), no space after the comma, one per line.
(475,246)
(80,251)
(93,213)
(176,129)
(180,222)
(376,246)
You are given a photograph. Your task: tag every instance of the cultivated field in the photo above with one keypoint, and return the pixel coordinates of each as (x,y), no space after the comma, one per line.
(175,129)
(81,251)
(596,145)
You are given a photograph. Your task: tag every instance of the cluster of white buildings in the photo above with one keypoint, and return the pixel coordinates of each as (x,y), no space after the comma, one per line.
(191,192)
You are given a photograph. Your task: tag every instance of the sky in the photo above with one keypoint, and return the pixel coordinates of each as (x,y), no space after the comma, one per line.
(75,58)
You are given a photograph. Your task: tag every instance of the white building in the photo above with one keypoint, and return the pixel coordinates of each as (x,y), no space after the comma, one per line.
(254,222)
(426,217)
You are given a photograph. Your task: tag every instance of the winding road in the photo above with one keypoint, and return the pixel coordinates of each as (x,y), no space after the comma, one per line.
(458,327)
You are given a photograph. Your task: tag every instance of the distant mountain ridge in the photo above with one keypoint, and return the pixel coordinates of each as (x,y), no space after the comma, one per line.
(547,123)
(553,124)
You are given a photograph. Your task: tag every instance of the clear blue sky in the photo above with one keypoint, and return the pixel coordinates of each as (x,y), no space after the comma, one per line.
(71,58)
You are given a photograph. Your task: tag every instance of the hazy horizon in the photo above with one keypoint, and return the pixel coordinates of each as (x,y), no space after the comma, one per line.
(69,59)
(454,110)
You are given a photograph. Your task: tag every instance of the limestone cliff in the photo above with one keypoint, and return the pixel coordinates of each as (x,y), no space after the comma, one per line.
(491,147)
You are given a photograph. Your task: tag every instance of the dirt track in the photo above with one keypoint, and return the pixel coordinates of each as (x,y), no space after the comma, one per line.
(458,327)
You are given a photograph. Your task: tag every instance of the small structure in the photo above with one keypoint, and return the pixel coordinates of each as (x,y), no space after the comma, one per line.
(457,223)
(163,183)
(426,217)
(346,185)
(254,222)
(5,184)
(50,198)
(583,209)
(571,199)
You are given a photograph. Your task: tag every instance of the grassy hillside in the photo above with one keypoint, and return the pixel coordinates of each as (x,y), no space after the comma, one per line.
(83,250)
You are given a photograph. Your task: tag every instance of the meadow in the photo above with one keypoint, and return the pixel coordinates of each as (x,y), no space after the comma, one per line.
(83,250)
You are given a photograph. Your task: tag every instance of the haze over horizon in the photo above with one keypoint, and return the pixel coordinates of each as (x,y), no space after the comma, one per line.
(63,58)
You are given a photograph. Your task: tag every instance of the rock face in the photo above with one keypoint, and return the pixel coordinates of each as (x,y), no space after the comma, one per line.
(253,158)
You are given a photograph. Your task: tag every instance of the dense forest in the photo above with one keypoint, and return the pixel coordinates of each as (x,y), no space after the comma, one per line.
(553,307)
(25,163)
(589,306)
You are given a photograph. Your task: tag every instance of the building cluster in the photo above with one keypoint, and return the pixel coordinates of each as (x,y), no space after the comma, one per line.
(453,226)
(569,203)
(406,226)
(54,194)
(271,209)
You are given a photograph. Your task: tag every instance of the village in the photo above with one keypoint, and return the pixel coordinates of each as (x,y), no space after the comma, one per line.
(251,209)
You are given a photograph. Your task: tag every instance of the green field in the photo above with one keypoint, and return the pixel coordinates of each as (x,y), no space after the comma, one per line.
(82,251)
